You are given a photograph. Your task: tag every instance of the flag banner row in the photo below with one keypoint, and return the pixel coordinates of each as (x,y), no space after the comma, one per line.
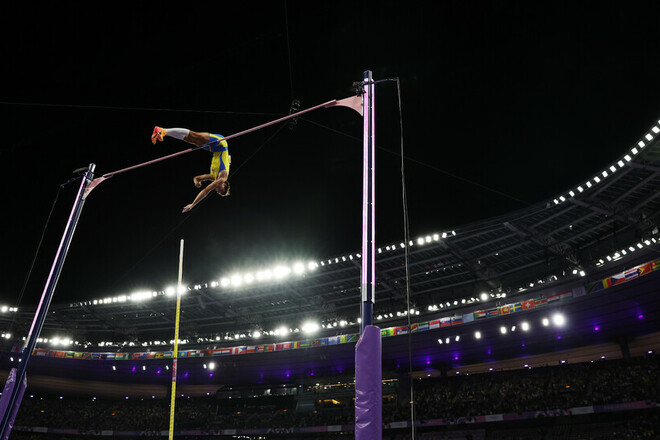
(447,321)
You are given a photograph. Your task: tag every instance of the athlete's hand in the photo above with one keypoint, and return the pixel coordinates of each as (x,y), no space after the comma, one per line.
(187,208)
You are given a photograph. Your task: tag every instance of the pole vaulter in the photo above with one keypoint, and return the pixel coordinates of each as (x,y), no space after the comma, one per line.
(16,382)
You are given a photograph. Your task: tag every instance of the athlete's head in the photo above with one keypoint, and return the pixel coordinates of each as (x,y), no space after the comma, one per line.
(223,188)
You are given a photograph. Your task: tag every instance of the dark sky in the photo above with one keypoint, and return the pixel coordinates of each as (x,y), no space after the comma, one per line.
(505,104)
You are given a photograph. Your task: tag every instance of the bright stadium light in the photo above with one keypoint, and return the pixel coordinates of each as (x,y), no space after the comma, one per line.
(310,327)
(182,289)
(524,326)
(4,309)
(503,330)
(224,282)
(170,291)
(298,268)
(477,335)
(282,331)
(312,265)
(211,365)
(248,277)
(558,319)
(256,334)
(484,296)
(545,322)
(236,280)
(281,271)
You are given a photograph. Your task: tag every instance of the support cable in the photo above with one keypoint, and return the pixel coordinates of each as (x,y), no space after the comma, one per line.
(406,235)
(36,253)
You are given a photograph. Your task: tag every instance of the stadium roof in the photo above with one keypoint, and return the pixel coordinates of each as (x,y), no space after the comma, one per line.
(603,223)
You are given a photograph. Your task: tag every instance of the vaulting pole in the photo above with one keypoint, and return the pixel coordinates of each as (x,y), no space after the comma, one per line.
(13,402)
(368,351)
(179,288)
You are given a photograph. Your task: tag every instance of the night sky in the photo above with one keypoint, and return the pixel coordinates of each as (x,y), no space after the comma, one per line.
(504,105)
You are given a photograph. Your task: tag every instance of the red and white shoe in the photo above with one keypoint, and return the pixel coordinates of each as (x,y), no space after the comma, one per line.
(157,135)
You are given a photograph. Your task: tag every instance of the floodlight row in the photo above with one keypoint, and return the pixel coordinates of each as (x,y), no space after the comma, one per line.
(628,157)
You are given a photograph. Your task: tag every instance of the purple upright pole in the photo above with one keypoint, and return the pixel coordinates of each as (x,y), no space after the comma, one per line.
(14,400)
(368,368)
(368,203)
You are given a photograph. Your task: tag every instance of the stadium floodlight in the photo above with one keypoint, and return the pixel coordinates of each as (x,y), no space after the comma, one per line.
(545,322)
(503,330)
(298,268)
(248,278)
(477,335)
(236,280)
(621,164)
(282,331)
(524,326)
(312,265)
(634,151)
(281,271)
(444,235)
(170,290)
(256,334)
(310,327)
(484,296)
(649,137)
(420,241)
(4,309)
(144,368)
(211,365)
(458,338)
(436,237)
(558,319)
(439,341)
(579,188)
(447,341)
(427,239)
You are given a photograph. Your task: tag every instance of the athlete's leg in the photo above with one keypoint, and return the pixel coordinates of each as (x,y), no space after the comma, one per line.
(192,137)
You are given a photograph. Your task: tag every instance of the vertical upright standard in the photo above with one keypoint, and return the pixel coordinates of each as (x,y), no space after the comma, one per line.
(175,355)
(367,284)
(368,352)
(42,309)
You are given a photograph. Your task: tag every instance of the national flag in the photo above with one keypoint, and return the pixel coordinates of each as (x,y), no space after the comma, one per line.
(445,322)
(414,328)
(423,326)
(40,352)
(167,355)
(258,348)
(644,269)
(283,346)
(268,348)
(333,340)
(553,297)
(468,317)
(492,312)
(618,279)
(655,264)
(516,307)
(387,332)
(222,351)
(566,295)
(479,314)
(528,305)
(95,356)
(79,355)
(455,320)
(242,349)
(538,302)
(69,355)
(296,344)
(402,330)
(579,291)
(631,274)
(434,324)
(505,310)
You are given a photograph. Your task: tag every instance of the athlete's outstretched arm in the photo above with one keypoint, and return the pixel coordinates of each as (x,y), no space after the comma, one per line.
(201,196)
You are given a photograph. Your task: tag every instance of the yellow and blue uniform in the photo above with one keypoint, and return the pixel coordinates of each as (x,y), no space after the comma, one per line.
(220,149)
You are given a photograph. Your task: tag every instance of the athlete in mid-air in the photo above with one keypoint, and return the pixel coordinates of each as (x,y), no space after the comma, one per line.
(219,163)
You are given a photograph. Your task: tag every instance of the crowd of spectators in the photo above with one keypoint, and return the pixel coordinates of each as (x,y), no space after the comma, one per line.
(538,389)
